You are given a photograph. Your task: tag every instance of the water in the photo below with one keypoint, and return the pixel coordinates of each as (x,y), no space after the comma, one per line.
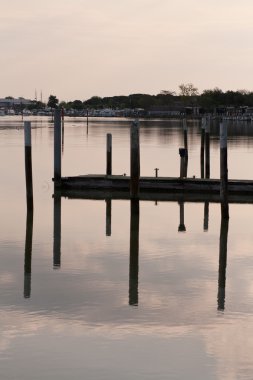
(171,311)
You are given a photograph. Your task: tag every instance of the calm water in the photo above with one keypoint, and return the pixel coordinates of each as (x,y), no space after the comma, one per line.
(170,307)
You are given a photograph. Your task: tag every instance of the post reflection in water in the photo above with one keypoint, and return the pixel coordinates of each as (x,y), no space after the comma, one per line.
(108,217)
(181,227)
(28,253)
(134,252)
(57,231)
(206,216)
(222,263)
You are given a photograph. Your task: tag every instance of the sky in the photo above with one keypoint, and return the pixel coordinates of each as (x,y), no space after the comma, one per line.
(76,49)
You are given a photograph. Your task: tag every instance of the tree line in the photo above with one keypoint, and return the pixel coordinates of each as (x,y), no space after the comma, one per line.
(188,96)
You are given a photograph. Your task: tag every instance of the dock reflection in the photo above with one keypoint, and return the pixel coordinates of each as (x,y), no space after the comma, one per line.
(133,294)
(28,253)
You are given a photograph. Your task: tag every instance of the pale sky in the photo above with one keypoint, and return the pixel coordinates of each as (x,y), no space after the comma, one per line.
(75,49)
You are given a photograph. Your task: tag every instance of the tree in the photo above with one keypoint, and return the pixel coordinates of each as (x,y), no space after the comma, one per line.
(188,89)
(52,101)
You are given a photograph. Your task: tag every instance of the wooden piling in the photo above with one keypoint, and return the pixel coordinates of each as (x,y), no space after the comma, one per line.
(108,217)
(135,160)
(28,253)
(207,146)
(222,263)
(185,135)
(202,148)
(57,147)
(57,232)
(87,121)
(183,162)
(28,165)
(223,171)
(108,154)
(134,252)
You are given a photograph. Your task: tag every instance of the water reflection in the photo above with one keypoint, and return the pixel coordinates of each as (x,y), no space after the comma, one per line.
(206,216)
(222,263)
(134,252)
(28,253)
(57,231)
(108,217)
(181,227)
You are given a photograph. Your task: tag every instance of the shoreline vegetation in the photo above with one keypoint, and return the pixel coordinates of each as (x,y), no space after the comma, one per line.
(188,101)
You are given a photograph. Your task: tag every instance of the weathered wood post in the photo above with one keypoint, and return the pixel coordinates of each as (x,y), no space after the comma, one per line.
(135,160)
(28,165)
(181,227)
(62,123)
(108,217)
(183,162)
(87,121)
(57,147)
(108,154)
(185,135)
(202,148)
(28,253)
(207,138)
(134,252)
(223,171)
(57,231)
(222,263)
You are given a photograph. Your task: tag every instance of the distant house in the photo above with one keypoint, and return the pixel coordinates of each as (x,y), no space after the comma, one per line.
(173,110)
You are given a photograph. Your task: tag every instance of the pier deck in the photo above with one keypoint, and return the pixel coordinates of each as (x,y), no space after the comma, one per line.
(154,188)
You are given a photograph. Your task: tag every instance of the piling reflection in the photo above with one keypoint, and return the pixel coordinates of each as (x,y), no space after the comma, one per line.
(57,231)
(181,227)
(206,216)
(108,217)
(134,252)
(222,263)
(28,253)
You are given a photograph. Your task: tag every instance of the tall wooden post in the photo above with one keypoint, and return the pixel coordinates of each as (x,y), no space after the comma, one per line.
(134,252)
(57,147)
(207,148)
(185,135)
(108,217)
(135,160)
(28,165)
(222,263)
(183,162)
(108,154)
(28,253)
(87,121)
(62,123)
(223,171)
(57,231)
(202,148)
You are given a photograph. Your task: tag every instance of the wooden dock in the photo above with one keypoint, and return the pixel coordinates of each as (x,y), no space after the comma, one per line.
(154,188)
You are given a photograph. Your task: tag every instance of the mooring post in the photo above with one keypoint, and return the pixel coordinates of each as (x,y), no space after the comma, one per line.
(108,154)
(181,227)
(134,252)
(185,135)
(223,171)
(62,122)
(108,217)
(135,160)
(28,165)
(207,140)
(202,147)
(222,263)
(57,147)
(57,231)
(87,121)
(28,253)
(183,168)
